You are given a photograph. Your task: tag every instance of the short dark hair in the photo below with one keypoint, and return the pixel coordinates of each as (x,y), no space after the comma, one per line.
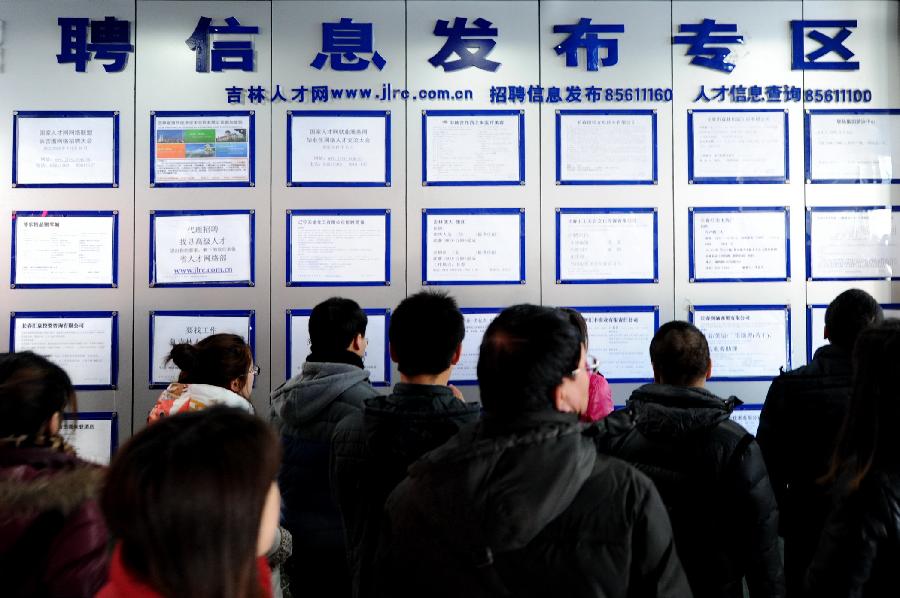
(334,323)
(850,313)
(679,353)
(425,330)
(577,320)
(181,478)
(32,389)
(525,354)
(216,360)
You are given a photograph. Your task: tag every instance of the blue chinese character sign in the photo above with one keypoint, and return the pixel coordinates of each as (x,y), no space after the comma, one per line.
(702,35)
(226,55)
(828,44)
(110,40)
(584,34)
(468,43)
(342,42)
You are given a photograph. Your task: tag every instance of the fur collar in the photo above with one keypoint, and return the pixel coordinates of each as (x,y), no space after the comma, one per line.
(61,490)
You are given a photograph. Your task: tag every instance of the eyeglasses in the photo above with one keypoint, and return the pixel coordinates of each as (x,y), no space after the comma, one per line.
(255,370)
(591,365)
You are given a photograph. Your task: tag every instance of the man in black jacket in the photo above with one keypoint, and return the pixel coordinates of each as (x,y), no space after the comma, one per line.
(522,504)
(708,470)
(371,450)
(799,425)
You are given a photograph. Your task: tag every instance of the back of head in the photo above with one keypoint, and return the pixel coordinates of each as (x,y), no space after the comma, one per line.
(184,497)
(425,331)
(217,360)
(32,389)
(577,320)
(679,354)
(334,323)
(850,313)
(525,354)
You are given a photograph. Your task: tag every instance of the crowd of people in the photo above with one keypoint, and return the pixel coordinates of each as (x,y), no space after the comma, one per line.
(541,489)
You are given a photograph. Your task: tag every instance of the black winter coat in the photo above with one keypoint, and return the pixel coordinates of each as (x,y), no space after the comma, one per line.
(371,452)
(713,481)
(798,430)
(859,551)
(526,508)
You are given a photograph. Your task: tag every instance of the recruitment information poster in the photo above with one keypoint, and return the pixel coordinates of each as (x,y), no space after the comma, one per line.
(377,358)
(618,337)
(213,248)
(815,325)
(852,243)
(84,344)
(92,434)
(339,149)
(168,328)
(746,342)
(606,147)
(853,146)
(202,149)
(476,322)
(65,149)
(338,247)
(64,249)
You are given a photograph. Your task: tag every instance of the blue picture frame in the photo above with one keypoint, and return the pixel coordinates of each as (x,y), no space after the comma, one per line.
(558,246)
(809,323)
(291,313)
(251,141)
(655,157)
(474,310)
(110,416)
(112,214)
(754,407)
(426,114)
(215,313)
(63,315)
(386,114)
(807,147)
(426,212)
(623,309)
(289,214)
(809,212)
(746,307)
(736,180)
(737,210)
(19,114)
(155,214)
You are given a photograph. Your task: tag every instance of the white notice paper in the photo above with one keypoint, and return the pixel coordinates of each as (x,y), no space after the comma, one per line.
(620,341)
(606,147)
(740,144)
(473,248)
(853,244)
(748,418)
(82,346)
(854,147)
(739,245)
(64,250)
(472,149)
(477,321)
(202,148)
(66,150)
(605,246)
(339,149)
(201,248)
(91,438)
(745,343)
(338,248)
(376,351)
(171,329)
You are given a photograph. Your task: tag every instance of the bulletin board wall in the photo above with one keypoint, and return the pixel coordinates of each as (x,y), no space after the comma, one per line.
(161,76)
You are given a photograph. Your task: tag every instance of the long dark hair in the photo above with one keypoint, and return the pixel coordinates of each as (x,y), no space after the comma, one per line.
(184,498)
(32,389)
(869,438)
(216,360)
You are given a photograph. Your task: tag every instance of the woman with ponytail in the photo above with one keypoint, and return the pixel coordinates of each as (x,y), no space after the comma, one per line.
(218,370)
(53,541)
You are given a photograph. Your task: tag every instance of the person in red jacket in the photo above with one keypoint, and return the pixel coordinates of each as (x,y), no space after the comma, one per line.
(53,541)
(193,504)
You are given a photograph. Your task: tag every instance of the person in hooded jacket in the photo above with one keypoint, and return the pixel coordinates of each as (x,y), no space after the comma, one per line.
(859,549)
(332,385)
(371,450)
(708,469)
(522,504)
(53,540)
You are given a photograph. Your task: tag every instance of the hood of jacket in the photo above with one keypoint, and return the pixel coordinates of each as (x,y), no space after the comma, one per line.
(498,486)
(668,411)
(303,398)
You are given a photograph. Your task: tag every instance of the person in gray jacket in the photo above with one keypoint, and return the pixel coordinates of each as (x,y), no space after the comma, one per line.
(306,409)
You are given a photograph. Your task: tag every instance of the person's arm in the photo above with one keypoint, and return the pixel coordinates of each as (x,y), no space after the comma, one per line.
(347,461)
(758,515)
(78,561)
(769,436)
